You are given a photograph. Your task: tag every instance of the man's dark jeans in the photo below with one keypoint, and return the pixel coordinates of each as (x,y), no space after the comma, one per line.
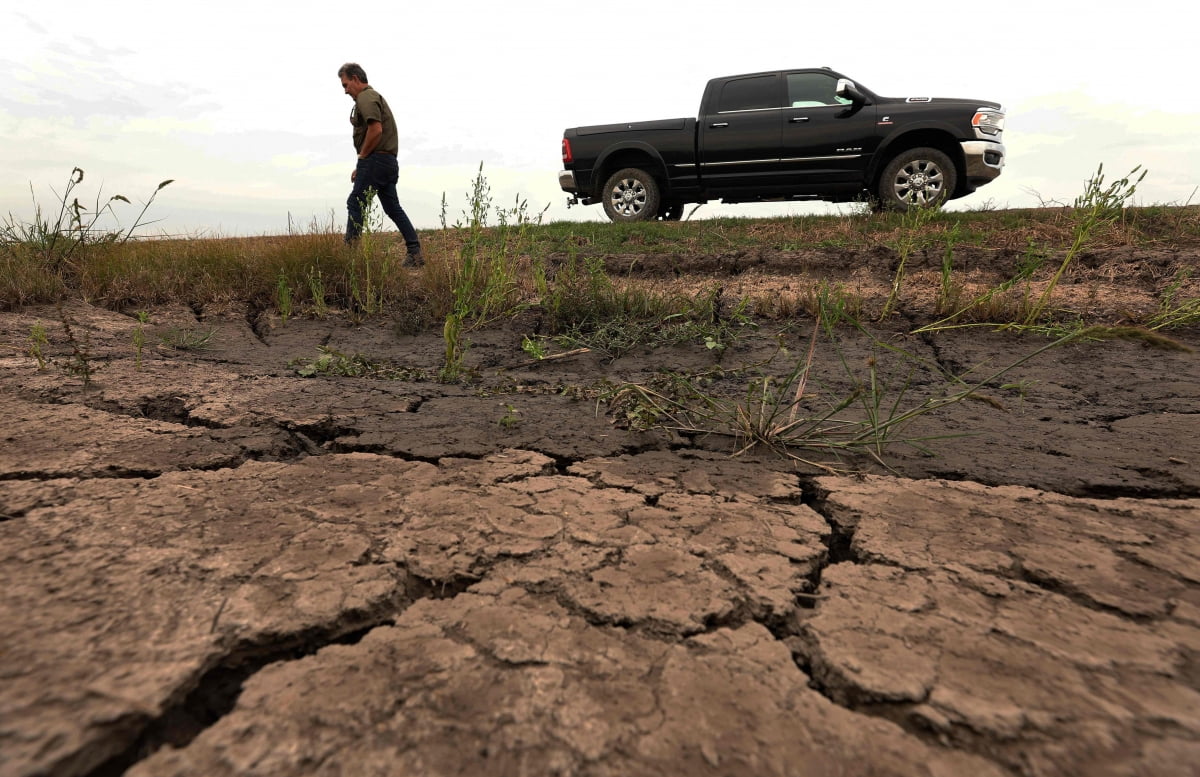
(380,172)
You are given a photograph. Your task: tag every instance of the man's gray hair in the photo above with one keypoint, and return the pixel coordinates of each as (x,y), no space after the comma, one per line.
(352,70)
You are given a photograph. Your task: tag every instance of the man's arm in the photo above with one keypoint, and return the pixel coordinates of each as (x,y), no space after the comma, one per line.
(374,135)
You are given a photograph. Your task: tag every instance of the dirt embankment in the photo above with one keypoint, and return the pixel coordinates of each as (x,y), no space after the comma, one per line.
(213,566)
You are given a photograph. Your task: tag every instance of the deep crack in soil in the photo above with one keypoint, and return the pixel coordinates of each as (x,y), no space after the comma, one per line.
(215,695)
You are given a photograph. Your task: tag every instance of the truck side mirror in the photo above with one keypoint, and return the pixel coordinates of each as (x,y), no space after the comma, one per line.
(848,91)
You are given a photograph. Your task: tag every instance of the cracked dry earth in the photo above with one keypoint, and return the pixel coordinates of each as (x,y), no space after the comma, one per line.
(211,566)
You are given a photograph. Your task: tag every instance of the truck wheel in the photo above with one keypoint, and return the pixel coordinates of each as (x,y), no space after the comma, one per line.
(670,210)
(917,178)
(631,194)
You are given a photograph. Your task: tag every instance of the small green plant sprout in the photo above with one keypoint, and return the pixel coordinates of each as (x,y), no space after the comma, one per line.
(536,348)
(949,290)
(316,291)
(179,339)
(1021,387)
(330,362)
(511,417)
(283,297)
(334,363)
(38,345)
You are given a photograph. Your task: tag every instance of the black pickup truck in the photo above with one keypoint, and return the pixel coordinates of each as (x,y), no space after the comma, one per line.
(787,135)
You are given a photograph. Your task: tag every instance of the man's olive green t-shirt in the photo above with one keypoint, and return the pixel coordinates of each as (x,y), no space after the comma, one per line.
(370,106)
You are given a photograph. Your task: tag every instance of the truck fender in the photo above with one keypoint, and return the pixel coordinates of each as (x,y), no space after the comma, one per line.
(657,166)
(886,150)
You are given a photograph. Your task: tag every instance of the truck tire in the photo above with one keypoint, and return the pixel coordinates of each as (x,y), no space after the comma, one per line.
(670,210)
(917,178)
(631,194)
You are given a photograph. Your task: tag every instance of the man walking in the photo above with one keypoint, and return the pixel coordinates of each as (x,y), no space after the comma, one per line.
(376,141)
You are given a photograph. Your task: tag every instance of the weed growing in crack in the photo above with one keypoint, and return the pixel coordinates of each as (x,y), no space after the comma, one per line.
(333,363)
(535,348)
(180,339)
(780,413)
(511,417)
(38,345)
(80,363)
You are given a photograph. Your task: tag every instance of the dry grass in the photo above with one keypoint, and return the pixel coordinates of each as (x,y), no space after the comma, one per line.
(322,276)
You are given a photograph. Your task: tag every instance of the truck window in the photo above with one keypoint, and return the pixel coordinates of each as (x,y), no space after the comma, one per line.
(749,94)
(810,90)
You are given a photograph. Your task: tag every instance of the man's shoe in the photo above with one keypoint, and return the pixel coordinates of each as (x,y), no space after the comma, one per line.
(414,259)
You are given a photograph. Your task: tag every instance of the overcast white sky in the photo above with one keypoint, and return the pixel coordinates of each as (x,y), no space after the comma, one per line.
(239,102)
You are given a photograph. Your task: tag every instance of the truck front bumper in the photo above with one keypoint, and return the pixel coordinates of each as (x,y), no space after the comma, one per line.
(984,159)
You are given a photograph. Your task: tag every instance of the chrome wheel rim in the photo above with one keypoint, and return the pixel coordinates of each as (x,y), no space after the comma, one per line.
(628,197)
(919,182)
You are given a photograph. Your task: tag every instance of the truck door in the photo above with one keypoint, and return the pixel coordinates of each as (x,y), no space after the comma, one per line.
(740,132)
(825,138)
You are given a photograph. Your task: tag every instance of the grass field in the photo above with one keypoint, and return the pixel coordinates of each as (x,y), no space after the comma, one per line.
(498,261)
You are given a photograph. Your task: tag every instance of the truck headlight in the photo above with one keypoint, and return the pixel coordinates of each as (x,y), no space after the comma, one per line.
(988,122)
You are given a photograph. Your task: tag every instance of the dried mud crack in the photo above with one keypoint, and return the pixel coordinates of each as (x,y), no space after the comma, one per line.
(350,576)
(215,695)
(217,691)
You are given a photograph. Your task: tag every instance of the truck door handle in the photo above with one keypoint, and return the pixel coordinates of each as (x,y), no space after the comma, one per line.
(719,124)
(798,119)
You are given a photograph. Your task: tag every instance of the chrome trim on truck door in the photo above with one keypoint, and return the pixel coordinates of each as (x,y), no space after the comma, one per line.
(820,158)
(741,162)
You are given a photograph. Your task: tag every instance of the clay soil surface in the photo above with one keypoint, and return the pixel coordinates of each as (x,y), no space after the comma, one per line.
(213,566)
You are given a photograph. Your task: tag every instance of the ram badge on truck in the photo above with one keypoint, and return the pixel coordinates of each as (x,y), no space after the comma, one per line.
(787,135)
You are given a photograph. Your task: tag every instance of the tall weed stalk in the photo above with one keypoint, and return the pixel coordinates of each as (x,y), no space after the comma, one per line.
(484,282)
(1099,205)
